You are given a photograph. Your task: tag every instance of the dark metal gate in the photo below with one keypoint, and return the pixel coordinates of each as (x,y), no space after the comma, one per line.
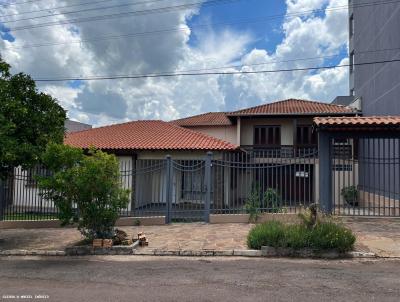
(178,189)
(360,173)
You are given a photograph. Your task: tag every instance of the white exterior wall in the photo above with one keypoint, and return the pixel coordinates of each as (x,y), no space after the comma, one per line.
(25,194)
(226,133)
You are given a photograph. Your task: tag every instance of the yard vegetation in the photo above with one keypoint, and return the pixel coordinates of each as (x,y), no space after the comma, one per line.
(86,188)
(318,234)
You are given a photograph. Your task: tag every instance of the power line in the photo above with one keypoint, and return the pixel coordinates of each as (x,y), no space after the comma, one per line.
(167,75)
(169,30)
(84,10)
(17,3)
(171,8)
(125,14)
(54,8)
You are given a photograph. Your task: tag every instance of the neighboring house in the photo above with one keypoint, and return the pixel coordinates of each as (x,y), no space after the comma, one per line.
(374,37)
(73,126)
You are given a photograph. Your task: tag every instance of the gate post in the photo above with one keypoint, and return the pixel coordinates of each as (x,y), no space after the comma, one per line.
(2,197)
(207,182)
(325,172)
(169,184)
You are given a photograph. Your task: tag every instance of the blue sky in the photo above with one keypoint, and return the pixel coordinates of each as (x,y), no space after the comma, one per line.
(267,33)
(239,33)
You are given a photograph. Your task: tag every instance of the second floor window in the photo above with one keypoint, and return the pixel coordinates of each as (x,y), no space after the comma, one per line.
(267,135)
(305,136)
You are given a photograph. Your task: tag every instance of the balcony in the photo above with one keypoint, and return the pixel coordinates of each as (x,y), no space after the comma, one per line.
(282,151)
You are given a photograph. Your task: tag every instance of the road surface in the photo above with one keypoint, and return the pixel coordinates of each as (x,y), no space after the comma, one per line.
(127,278)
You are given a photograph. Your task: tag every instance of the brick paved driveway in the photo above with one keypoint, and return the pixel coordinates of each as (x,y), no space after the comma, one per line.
(193,236)
(378,235)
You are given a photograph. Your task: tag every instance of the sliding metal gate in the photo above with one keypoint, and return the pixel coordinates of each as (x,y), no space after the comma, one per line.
(365,176)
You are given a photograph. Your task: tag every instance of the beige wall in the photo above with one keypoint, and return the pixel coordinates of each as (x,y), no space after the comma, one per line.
(287,135)
(226,133)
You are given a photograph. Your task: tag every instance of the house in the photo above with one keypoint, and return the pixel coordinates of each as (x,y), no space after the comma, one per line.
(281,133)
(214,160)
(271,146)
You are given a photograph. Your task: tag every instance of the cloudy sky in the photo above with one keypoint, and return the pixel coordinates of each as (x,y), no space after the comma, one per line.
(89,38)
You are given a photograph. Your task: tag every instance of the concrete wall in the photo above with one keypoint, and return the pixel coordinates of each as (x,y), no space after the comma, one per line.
(376,27)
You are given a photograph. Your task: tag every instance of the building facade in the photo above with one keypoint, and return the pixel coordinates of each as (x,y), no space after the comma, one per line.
(374,37)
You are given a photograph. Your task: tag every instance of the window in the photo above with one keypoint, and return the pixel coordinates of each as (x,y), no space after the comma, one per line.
(267,135)
(305,136)
(352,63)
(351,25)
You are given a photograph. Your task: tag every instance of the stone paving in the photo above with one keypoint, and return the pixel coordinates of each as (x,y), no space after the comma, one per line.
(378,235)
(193,236)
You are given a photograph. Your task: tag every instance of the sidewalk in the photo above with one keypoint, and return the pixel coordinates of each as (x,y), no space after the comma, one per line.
(190,236)
(377,235)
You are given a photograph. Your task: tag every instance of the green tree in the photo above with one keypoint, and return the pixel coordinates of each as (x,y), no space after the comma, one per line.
(85,188)
(29,120)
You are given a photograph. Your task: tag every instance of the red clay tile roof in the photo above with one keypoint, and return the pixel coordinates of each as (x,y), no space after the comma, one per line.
(205,119)
(145,135)
(376,122)
(294,107)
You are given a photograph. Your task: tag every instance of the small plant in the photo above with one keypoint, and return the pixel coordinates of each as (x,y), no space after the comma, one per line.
(271,200)
(253,203)
(136,222)
(309,216)
(350,195)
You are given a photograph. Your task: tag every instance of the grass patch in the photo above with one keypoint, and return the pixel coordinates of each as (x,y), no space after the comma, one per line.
(324,235)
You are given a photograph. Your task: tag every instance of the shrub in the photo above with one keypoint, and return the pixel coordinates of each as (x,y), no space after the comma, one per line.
(85,188)
(350,195)
(271,233)
(269,199)
(324,235)
(253,203)
(330,235)
(296,236)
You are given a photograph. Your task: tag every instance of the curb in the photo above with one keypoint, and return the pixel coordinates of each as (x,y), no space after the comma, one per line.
(188,253)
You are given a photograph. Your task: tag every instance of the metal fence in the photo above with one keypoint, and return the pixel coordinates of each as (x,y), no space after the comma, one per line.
(366,176)
(268,180)
(191,189)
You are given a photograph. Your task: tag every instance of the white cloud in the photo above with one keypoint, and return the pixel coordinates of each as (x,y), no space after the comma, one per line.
(102,102)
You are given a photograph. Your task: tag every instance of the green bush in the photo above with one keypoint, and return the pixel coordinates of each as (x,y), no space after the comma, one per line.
(324,235)
(329,235)
(85,188)
(269,200)
(350,195)
(271,233)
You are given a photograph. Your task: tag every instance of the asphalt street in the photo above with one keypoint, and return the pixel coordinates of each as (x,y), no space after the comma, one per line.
(127,278)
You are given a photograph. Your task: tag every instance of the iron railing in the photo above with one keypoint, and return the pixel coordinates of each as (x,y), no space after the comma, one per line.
(366,182)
